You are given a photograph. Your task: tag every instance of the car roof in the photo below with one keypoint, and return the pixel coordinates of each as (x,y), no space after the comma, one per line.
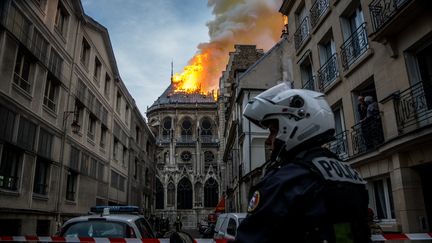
(126,218)
(236,215)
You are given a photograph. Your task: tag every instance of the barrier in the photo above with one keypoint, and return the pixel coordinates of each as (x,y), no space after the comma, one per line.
(57,239)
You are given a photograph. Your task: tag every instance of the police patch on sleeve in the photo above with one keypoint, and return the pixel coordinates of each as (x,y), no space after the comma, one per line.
(334,170)
(254,202)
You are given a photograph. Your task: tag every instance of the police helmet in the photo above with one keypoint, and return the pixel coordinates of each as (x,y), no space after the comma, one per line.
(303,115)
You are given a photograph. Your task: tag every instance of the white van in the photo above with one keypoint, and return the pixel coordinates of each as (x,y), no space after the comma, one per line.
(227,224)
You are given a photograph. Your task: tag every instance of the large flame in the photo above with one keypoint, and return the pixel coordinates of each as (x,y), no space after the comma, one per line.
(255,22)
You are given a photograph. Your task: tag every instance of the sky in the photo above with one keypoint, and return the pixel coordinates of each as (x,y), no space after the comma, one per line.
(147,35)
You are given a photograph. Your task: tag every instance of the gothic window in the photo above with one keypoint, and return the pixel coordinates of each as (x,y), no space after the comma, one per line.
(208,157)
(198,193)
(211,193)
(206,127)
(186,127)
(159,195)
(166,157)
(166,127)
(184,194)
(170,194)
(186,156)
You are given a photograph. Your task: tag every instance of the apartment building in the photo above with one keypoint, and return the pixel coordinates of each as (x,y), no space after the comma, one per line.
(65,117)
(381,49)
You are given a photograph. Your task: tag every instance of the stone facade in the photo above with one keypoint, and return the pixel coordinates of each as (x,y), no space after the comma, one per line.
(188,180)
(381,49)
(66,135)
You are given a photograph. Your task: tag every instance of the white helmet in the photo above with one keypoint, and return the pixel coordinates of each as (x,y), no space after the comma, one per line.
(302,114)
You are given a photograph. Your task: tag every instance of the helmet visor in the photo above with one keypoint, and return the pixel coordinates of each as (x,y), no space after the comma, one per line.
(272,92)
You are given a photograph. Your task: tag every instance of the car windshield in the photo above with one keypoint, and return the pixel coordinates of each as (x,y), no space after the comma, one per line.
(97,229)
(240,220)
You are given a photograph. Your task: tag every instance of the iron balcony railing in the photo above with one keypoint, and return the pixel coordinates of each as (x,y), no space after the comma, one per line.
(339,146)
(354,46)
(382,11)
(367,135)
(317,10)
(22,83)
(328,73)
(413,106)
(302,33)
(310,84)
(49,103)
(8,182)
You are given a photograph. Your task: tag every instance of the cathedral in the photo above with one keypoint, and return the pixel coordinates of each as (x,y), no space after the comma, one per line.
(188,180)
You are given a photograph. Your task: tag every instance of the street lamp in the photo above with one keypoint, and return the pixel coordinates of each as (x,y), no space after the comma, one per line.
(75,129)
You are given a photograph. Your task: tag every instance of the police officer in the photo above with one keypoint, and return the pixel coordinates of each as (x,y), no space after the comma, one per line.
(306,194)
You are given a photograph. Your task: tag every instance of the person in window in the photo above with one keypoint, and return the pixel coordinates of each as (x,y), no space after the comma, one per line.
(370,123)
(306,194)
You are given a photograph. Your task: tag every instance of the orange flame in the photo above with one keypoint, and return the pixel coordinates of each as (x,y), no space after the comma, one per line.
(255,22)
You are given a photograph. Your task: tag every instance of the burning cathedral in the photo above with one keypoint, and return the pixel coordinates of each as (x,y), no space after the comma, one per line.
(188,183)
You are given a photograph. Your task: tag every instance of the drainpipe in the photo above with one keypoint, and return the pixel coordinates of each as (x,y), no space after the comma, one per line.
(250,140)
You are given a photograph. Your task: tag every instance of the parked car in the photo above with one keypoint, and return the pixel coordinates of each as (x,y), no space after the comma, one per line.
(109,222)
(227,224)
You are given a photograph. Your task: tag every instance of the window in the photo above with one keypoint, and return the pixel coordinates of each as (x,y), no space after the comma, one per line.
(103,136)
(198,193)
(74,158)
(61,20)
(79,113)
(166,127)
(85,52)
(127,114)
(101,171)
(186,127)
(135,169)
(211,193)
(115,149)
(41,176)
(22,71)
(91,127)
(208,157)
(117,181)
(137,135)
(339,146)
(55,64)
(41,4)
(381,198)
(232,227)
(7,123)
(171,194)
(85,163)
(26,134)
(302,24)
(97,70)
(93,167)
(107,87)
(159,195)
(9,165)
(50,95)
(328,71)
(71,185)
(184,194)
(307,74)
(186,156)
(39,45)
(144,228)
(18,24)
(121,185)
(45,143)
(114,179)
(118,102)
(125,156)
(206,127)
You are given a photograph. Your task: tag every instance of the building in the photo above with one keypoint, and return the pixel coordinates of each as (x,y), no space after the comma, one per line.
(249,72)
(188,180)
(65,133)
(381,49)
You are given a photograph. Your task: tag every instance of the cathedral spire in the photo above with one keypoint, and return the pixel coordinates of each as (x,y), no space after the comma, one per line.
(172,71)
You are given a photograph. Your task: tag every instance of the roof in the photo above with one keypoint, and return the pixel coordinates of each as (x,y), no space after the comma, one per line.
(111,217)
(171,97)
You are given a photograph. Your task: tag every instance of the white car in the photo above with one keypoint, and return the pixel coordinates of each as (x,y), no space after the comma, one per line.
(227,224)
(109,222)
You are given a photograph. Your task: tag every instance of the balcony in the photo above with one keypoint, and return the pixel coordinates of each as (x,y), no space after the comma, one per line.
(367,135)
(318,9)
(413,107)
(185,140)
(354,46)
(209,140)
(302,33)
(389,17)
(328,73)
(339,146)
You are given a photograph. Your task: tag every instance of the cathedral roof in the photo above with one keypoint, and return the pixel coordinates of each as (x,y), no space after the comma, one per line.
(171,97)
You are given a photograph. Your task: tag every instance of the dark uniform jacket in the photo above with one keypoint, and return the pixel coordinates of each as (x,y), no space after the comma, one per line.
(312,198)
